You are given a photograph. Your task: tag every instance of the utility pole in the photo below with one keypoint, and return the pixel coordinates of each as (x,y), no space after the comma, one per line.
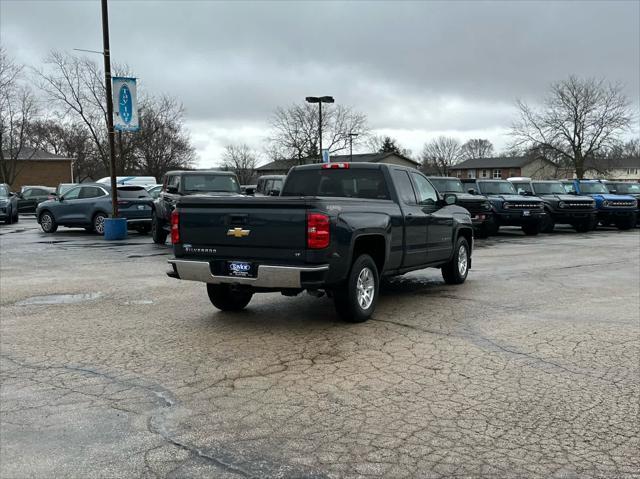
(107,80)
(351,135)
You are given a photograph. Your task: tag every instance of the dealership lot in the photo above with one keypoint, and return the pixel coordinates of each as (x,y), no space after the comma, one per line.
(111,369)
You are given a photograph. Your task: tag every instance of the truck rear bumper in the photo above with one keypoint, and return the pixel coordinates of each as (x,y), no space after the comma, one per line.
(267,276)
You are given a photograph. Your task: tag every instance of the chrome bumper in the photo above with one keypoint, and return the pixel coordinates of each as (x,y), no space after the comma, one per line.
(267,276)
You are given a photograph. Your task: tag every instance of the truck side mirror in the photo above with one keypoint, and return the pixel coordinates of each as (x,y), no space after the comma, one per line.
(471,191)
(450,199)
(274,193)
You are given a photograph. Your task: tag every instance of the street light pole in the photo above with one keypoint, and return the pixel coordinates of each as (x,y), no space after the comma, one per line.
(107,80)
(320,100)
(351,135)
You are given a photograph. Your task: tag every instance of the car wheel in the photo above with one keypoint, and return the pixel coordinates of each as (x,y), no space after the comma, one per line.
(48,222)
(548,224)
(226,298)
(9,219)
(356,301)
(457,269)
(158,233)
(98,223)
(531,229)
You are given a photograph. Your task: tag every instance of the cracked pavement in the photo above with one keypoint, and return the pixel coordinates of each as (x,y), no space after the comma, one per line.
(530,369)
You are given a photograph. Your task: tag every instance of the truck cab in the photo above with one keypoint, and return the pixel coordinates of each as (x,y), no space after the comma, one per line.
(560,207)
(612,209)
(626,188)
(509,207)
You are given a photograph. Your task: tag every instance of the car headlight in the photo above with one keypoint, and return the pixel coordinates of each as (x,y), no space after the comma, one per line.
(506,205)
(606,203)
(562,204)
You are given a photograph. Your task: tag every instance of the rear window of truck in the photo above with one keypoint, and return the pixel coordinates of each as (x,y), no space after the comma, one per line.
(347,183)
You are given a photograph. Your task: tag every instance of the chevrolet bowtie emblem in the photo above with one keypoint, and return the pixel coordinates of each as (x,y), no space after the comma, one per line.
(238,232)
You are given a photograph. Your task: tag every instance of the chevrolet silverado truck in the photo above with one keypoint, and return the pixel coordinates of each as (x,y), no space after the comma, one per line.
(336,228)
(484,224)
(510,208)
(560,207)
(618,210)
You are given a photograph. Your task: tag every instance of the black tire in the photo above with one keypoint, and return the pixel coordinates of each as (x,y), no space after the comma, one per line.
(9,219)
(548,224)
(626,223)
(158,233)
(583,226)
(531,229)
(457,269)
(356,300)
(225,298)
(48,222)
(98,223)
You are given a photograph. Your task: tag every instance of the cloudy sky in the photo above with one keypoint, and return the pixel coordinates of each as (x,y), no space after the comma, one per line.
(417,69)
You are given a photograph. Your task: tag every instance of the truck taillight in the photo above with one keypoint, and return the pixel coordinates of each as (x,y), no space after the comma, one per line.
(317,231)
(175,227)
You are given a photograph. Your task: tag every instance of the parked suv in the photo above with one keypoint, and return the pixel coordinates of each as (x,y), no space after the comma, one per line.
(560,207)
(177,184)
(480,208)
(31,196)
(88,204)
(619,210)
(510,209)
(626,188)
(8,205)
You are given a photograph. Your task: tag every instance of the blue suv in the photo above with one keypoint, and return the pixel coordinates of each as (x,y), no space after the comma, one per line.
(619,210)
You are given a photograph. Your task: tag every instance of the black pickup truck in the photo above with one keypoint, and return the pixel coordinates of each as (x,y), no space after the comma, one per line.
(337,228)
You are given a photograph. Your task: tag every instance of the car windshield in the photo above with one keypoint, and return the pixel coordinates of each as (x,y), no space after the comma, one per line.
(626,188)
(4,191)
(496,188)
(445,185)
(549,189)
(350,183)
(210,184)
(593,188)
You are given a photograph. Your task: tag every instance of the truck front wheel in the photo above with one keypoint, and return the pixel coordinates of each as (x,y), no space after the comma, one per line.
(157,230)
(225,298)
(356,300)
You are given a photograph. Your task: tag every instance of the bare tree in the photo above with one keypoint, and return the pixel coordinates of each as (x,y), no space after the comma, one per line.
(17,110)
(161,144)
(477,148)
(441,154)
(579,120)
(76,85)
(295,130)
(242,161)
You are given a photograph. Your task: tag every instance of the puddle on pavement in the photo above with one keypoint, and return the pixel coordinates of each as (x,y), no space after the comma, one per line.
(59,299)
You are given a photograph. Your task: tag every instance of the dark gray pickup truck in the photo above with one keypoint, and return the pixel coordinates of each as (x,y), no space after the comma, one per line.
(337,228)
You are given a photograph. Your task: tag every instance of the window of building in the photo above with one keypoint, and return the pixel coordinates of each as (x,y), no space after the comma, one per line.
(484,174)
(514,172)
(471,174)
(497,174)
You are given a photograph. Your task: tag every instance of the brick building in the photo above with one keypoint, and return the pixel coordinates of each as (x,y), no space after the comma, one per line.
(505,167)
(39,167)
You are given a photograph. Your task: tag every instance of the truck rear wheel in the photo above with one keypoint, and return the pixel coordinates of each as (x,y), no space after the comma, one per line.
(356,300)
(456,270)
(225,298)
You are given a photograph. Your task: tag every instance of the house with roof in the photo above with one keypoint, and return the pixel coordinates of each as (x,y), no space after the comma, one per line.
(505,167)
(39,167)
(619,169)
(282,167)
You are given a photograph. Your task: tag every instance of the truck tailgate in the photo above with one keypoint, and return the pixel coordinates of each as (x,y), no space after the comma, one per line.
(275,223)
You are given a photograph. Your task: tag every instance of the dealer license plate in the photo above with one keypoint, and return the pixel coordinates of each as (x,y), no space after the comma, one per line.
(239,268)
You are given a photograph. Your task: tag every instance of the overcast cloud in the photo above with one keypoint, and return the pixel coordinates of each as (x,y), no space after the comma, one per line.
(417,69)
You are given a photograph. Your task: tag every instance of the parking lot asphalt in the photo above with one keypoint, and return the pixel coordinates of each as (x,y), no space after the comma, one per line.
(111,369)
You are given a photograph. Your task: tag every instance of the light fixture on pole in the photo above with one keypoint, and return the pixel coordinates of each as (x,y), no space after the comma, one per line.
(320,100)
(351,135)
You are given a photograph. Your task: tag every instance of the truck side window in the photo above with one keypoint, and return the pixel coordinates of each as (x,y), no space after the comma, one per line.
(404,187)
(426,193)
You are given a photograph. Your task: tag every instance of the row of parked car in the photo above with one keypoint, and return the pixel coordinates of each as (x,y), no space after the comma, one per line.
(534,205)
